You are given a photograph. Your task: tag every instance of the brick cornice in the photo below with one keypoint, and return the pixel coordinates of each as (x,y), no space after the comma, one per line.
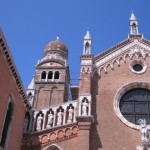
(12,68)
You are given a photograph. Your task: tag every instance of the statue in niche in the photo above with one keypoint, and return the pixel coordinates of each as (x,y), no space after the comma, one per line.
(50,120)
(39,122)
(70,115)
(26,121)
(144,130)
(59,117)
(144,136)
(84,108)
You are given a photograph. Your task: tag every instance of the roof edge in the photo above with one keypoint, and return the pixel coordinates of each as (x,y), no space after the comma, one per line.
(13,69)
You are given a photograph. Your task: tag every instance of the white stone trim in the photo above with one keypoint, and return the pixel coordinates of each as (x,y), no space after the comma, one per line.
(124,49)
(118,96)
(54,145)
(140,62)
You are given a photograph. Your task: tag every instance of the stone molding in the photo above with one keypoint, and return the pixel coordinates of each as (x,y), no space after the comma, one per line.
(28,140)
(121,52)
(122,56)
(119,95)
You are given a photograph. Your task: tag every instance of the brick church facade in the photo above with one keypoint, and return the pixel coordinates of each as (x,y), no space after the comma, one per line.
(105,111)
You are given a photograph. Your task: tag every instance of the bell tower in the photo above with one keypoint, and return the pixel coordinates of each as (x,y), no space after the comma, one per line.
(133,24)
(51,79)
(87,43)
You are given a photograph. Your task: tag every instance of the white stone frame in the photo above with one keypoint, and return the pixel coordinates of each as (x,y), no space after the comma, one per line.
(140,62)
(52,145)
(118,97)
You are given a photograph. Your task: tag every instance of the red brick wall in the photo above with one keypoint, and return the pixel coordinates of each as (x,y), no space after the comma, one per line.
(108,132)
(7,87)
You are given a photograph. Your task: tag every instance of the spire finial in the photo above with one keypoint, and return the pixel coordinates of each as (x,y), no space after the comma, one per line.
(132,16)
(87,36)
(57,37)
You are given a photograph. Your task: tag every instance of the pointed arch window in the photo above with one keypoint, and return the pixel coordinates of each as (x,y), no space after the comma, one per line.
(56,76)
(43,76)
(87,48)
(50,75)
(6,128)
(134,28)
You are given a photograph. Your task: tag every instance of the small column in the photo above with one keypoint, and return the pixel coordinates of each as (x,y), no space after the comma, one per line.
(74,117)
(34,121)
(79,108)
(64,117)
(53,76)
(44,119)
(31,121)
(54,121)
(89,113)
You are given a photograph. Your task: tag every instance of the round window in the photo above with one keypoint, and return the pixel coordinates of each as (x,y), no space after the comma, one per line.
(135,105)
(138,67)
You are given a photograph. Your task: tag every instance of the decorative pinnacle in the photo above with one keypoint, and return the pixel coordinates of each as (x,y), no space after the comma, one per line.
(87,36)
(132,16)
(57,37)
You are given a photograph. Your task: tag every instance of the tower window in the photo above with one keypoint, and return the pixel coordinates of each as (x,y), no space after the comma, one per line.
(134,28)
(43,76)
(7,125)
(135,105)
(56,75)
(87,48)
(50,75)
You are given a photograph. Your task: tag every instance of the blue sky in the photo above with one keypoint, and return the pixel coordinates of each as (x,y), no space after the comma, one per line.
(29,25)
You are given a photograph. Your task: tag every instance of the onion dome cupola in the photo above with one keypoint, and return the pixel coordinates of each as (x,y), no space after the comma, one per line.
(56,50)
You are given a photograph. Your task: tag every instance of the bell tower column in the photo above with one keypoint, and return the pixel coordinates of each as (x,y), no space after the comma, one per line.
(85,118)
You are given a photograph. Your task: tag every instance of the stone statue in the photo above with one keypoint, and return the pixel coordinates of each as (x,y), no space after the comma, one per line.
(39,122)
(144,136)
(84,108)
(144,130)
(138,147)
(70,115)
(59,117)
(26,121)
(50,120)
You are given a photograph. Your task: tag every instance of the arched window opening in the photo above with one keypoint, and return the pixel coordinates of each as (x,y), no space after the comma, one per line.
(6,127)
(87,48)
(30,96)
(50,75)
(134,28)
(26,122)
(53,147)
(56,75)
(135,105)
(43,76)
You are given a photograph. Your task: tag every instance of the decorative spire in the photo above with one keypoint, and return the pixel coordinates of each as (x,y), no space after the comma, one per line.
(57,37)
(132,16)
(31,85)
(87,36)
(87,43)
(133,24)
